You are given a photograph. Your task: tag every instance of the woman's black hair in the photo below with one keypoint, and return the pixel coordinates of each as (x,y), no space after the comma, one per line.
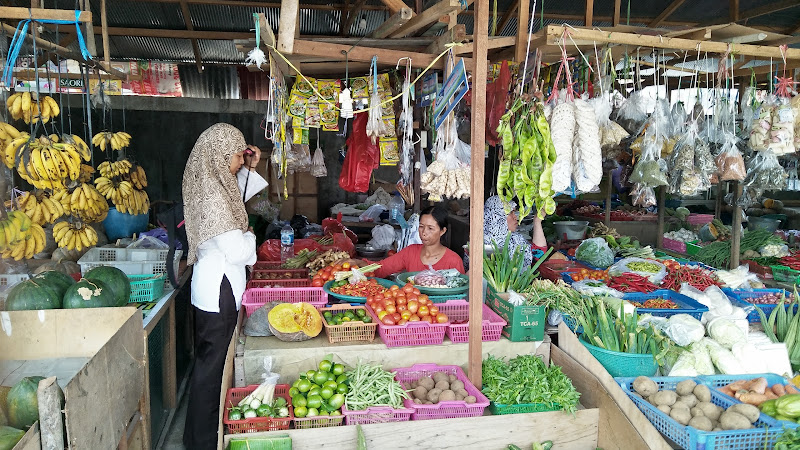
(440,215)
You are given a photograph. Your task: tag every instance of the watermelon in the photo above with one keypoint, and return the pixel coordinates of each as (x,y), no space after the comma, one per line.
(33,294)
(23,403)
(115,280)
(89,294)
(9,437)
(57,281)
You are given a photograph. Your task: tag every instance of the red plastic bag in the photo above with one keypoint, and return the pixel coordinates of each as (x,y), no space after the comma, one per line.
(333,226)
(362,157)
(496,97)
(270,250)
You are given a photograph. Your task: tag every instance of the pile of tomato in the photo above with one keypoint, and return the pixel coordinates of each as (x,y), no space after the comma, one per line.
(586,274)
(400,305)
(327,274)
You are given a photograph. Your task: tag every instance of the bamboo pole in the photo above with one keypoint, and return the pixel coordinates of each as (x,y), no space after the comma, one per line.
(662,200)
(736,225)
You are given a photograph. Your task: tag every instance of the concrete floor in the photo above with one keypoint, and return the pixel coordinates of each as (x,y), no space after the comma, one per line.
(173,436)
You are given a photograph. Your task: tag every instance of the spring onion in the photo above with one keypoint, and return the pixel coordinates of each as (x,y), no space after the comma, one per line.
(505,271)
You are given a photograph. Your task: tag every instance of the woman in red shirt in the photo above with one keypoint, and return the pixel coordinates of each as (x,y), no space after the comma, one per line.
(433,225)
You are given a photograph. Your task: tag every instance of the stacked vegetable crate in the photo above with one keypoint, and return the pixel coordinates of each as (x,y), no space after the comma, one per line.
(131,261)
(443,409)
(409,334)
(458,311)
(350,331)
(256,424)
(786,274)
(255,298)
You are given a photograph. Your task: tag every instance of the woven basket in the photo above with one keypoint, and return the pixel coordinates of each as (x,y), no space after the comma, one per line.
(620,364)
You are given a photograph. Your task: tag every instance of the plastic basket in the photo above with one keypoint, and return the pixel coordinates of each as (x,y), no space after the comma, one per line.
(283,273)
(699,219)
(446,298)
(786,274)
(278,284)
(747,298)
(620,364)
(256,424)
(132,261)
(522,408)
(673,245)
(9,279)
(442,410)
(146,288)
(257,297)
(266,265)
(692,439)
(412,333)
(350,331)
(692,248)
(686,305)
(758,269)
(318,422)
(376,414)
(282,442)
(458,310)
(572,323)
(718,381)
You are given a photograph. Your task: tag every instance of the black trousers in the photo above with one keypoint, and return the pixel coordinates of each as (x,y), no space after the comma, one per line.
(213,332)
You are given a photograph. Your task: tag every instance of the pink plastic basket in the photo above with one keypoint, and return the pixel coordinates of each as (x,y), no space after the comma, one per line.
(700,219)
(376,414)
(442,410)
(278,284)
(257,297)
(412,333)
(458,311)
(675,246)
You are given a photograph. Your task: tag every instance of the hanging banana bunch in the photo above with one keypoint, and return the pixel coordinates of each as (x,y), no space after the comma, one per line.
(123,183)
(87,172)
(74,236)
(115,141)
(137,177)
(84,202)
(44,162)
(40,207)
(20,237)
(24,105)
(110,169)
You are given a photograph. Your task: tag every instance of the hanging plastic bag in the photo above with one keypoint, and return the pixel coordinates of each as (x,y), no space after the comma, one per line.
(372,214)
(781,133)
(762,123)
(362,156)
(298,158)
(496,97)
(643,196)
(632,114)
(587,156)
(730,163)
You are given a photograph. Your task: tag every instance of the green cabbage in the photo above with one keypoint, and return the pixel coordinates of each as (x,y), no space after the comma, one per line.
(596,252)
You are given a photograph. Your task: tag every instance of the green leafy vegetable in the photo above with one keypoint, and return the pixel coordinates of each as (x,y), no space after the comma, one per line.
(526,379)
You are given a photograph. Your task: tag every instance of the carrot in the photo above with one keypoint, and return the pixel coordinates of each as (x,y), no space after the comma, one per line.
(753,398)
(779,390)
(739,385)
(772,395)
(790,389)
(727,391)
(759,385)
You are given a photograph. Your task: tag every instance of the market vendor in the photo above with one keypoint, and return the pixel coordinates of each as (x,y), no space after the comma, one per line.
(220,246)
(497,225)
(433,225)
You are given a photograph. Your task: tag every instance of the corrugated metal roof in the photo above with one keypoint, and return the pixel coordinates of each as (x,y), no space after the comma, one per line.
(166,49)
(213,82)
(219,52)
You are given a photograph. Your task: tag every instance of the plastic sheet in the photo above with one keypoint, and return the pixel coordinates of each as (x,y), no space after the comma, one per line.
(362,157)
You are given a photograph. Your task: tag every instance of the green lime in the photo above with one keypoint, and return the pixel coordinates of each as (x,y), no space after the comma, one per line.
(314,391)
(321,377)
(300,411)
(293,391)
(326,393)
(336,413)
(303,385)
(341,389)
(361,312)
(331,377)
(312,412)
(314,401)
(298,400)
(338,369)
(366,319)
(341,379)
(325,365)
(336,401)
(331,384)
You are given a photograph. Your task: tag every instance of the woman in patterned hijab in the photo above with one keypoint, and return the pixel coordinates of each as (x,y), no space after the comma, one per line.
(497,224)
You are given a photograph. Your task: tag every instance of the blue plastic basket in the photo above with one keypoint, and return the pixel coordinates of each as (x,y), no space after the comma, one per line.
(718,381)
(686,304)
(745,296)
(572,258)
(573,323)
(620,364)
(692,439)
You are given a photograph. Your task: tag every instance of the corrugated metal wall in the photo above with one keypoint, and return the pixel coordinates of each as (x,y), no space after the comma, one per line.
(213,82)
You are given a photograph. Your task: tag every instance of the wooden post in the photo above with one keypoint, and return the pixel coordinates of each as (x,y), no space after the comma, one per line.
(662,199)
(88,30)
(736,225)
(287,27)
(609,187)
(479,54)
(51,422)
(523,16)
(617,7)
(589,13)
(104,25)
(718,201)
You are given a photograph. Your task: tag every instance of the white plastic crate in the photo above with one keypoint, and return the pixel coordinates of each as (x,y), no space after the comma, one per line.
(131,261)
(9,279)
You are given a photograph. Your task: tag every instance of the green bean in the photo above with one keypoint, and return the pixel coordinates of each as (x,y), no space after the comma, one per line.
(373,386)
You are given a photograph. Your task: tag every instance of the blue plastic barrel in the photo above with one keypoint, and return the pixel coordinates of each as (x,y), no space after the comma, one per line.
(120,225)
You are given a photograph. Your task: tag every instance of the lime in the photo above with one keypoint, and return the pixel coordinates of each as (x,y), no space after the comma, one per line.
(298,401)
(314,401)
(336,401)
(338,369)
(330,384)
(361,312)
(293,391)
(312,412)
(346,319)
(341,389)
(336,413)
(326,393)
(303,385)
(310,374)
(325,365)
(314,391)
(341,379)
(321,377)
(300,411)
(331,377)
(366,319)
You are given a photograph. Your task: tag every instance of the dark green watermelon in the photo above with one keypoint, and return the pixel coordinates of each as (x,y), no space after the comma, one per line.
(23,404)
(89,294)
(31,295)
(56,280)
(114,279)
(9,437)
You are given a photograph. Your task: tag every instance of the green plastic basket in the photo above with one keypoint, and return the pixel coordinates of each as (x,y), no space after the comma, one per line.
(785,274)
(692,248)
(146,288)
(522,408)
(620,364)
(281,442)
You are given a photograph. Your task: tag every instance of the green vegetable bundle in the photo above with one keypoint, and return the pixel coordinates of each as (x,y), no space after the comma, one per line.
(784,326)
(505,271)
(715,254)
(526,379)
(558,295)
(755,239)
(370,385)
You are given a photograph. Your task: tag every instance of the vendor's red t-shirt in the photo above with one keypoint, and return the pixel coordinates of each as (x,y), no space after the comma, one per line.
(409,260)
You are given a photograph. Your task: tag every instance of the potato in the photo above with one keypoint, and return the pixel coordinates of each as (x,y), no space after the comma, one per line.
(441,376)
(685,387)
(731,420)
(443,385)
(665,409)
(407,386)
(413,385)
(701,423)
(681,415)
(456,385)
(690,400)
(460,397)
(748,411)
(471,399)
(645,386)
(426,382)
(702,393)
(665,398)
(717,429)
(433,395)
(452,378)
(710,410)
(461,392)
(428,402)
(697,412)
(417,401)
(447,396)
(420,392)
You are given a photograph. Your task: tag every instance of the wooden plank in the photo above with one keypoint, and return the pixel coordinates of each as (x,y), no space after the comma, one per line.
(667,12)
(17,13)
(493,43)
(615,17)
(578,431)
(179,34)
(395,6)
(365,54)
(104,29)
(352,13)
(391,24)
(31,440)
(507,16)
(455,34)
(51,421)
(736,225)
(662,198)
(734,10)
(589,13)
(428,17)
(554,33)
(187,19)
(521,41)
(287,27)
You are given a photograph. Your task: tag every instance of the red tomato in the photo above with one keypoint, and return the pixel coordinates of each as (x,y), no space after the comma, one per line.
(317,282)
(441,318)
(406,314)
(411,297)
(416,291)
(346,266)
(408,289)
(402,301)
(388,320)
(433,310)
(379,296)
(378,308)
(382,314)
(394,287)
(428,319)
(423,301)
(413,318)
(396,316)
(413,306)
(422,297)
(401,308)
(370,298)
(402,321)
(391,309)
(423,311)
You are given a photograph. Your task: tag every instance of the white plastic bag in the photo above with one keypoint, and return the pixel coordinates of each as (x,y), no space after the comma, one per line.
(717,302)
(372,213)
(624,266)
(318,168)
(382,237)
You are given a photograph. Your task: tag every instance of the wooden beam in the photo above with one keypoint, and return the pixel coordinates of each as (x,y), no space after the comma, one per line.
(589,13)
(699,34)
(88,30)
(666,12)
(494,42)
(428,17)
(615,16)
(455,34)
(395,6)
(104,30)
(352,13)
(733,6)
(16,13)
(181,34)
(391,24)
(287,27)
(507,16)
(365,54)
(64,42)
(257,4)
(187,19)
(768,9)
(521,41)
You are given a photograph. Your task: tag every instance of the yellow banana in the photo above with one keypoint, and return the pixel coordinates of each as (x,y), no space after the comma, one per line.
(55,110)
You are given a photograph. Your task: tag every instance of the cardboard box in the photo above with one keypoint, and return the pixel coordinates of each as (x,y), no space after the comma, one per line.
(525,323)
